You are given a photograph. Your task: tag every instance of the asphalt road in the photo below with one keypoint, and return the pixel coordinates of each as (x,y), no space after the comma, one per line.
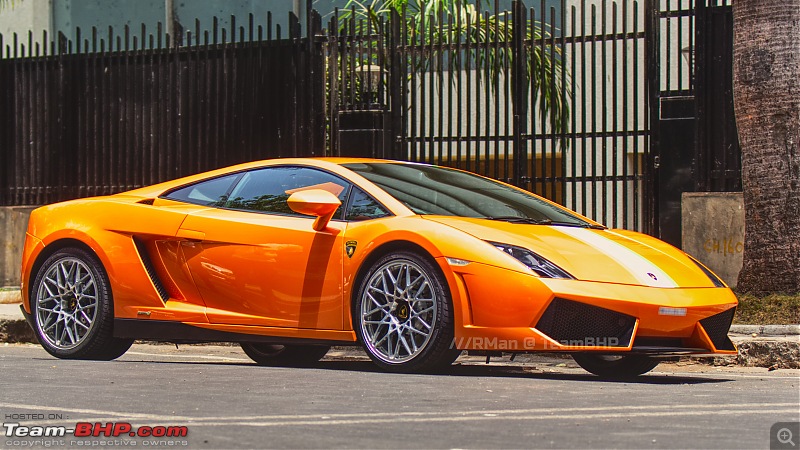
(225,401)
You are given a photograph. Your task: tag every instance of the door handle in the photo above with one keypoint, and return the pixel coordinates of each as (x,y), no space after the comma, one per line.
(190,235)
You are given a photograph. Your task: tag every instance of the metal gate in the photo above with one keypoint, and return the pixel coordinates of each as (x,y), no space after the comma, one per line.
(418,90)
(694,141)
(594,104)
(639,124)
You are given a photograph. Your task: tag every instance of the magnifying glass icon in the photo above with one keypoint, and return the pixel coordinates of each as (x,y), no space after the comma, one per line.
(784,436)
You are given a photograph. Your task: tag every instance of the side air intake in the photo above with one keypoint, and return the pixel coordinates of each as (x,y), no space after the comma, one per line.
(578,324)
(150,269)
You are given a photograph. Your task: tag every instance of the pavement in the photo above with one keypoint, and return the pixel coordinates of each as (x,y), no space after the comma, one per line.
(226,401)
(772,346)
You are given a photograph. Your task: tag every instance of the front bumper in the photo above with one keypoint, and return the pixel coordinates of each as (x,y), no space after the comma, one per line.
(512,311)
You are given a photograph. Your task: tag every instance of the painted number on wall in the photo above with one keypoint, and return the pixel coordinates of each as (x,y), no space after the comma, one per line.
(726,246)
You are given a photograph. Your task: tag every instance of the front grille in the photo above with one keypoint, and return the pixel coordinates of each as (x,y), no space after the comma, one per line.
(717,327)
(578,324)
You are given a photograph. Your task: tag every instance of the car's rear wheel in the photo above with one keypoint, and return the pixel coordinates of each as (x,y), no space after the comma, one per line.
(284,355)
(403,314)
(615,366)
(72,308)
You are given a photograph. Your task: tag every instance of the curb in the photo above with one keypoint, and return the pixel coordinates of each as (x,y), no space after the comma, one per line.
(766,330)
(9,296)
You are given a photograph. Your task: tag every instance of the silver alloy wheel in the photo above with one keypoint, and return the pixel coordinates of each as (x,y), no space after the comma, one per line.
(66,303)
(398,311)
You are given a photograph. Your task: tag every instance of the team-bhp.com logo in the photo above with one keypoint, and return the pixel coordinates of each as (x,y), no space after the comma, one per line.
(86,429)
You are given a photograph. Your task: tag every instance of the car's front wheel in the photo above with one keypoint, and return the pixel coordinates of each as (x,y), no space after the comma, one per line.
(72,308)
(403,314)
(615,366)
(284,355)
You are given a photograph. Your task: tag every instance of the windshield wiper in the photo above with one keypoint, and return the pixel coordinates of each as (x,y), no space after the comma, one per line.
(528,220)
(579,225)
(517,219)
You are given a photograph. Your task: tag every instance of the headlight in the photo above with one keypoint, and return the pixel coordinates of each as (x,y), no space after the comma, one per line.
(711,276)
(536,263)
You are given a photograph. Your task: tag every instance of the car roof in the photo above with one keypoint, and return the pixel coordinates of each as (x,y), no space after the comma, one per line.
(331,164)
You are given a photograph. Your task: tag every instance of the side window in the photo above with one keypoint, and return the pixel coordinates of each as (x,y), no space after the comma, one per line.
(266,190)
(363,207)
(207,193)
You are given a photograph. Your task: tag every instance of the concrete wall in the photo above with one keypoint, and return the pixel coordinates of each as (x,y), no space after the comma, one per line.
(13,223)
(713,231)
(25,16)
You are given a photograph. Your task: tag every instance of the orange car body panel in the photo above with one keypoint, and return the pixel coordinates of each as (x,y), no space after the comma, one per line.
(272,275)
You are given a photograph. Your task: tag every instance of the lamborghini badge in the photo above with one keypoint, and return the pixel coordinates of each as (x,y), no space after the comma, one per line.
(350,248)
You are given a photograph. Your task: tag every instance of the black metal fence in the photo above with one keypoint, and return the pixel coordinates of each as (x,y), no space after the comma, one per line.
(113,111)
(491,105)
(595,104)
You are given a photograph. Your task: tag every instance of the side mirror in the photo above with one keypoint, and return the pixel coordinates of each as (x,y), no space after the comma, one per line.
(315,202)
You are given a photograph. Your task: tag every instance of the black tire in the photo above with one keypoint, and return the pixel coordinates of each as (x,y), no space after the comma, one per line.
(615,367)
(419,353)
(284,355)
(84,302)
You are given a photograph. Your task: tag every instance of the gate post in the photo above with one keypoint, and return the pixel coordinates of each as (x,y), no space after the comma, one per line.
(397,85)
(653,74)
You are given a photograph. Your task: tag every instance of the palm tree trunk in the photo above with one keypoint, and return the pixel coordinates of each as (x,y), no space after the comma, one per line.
(767,105)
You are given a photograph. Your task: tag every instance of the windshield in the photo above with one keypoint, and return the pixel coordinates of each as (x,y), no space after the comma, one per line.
(441,191)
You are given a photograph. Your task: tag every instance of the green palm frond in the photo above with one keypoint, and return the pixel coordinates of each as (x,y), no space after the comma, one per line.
(459,22)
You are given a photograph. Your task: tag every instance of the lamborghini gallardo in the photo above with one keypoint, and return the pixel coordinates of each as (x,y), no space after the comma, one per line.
(411,261)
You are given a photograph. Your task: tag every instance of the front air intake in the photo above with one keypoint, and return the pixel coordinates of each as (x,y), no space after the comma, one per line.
(578,324)
(717,327)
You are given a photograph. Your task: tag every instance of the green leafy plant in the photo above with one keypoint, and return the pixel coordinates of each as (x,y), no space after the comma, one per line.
(450,22)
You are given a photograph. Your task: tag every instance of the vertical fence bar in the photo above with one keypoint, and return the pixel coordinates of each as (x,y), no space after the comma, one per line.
(519,78)
(415,120)
(574,113)
(468,68)
(553,93)
(635,125)
(451,56)
(460,69)
(397,89)
(533,95)
(604,111)
(5,162)
(625,116)
(440,78)
(487,96)
(594,115)
(584,134)
(614,114)
(563,142)
(543,99)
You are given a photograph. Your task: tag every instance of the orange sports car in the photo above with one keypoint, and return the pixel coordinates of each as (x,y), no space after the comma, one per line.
(413,262)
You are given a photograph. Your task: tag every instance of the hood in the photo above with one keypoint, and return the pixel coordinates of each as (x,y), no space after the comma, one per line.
(609,256)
